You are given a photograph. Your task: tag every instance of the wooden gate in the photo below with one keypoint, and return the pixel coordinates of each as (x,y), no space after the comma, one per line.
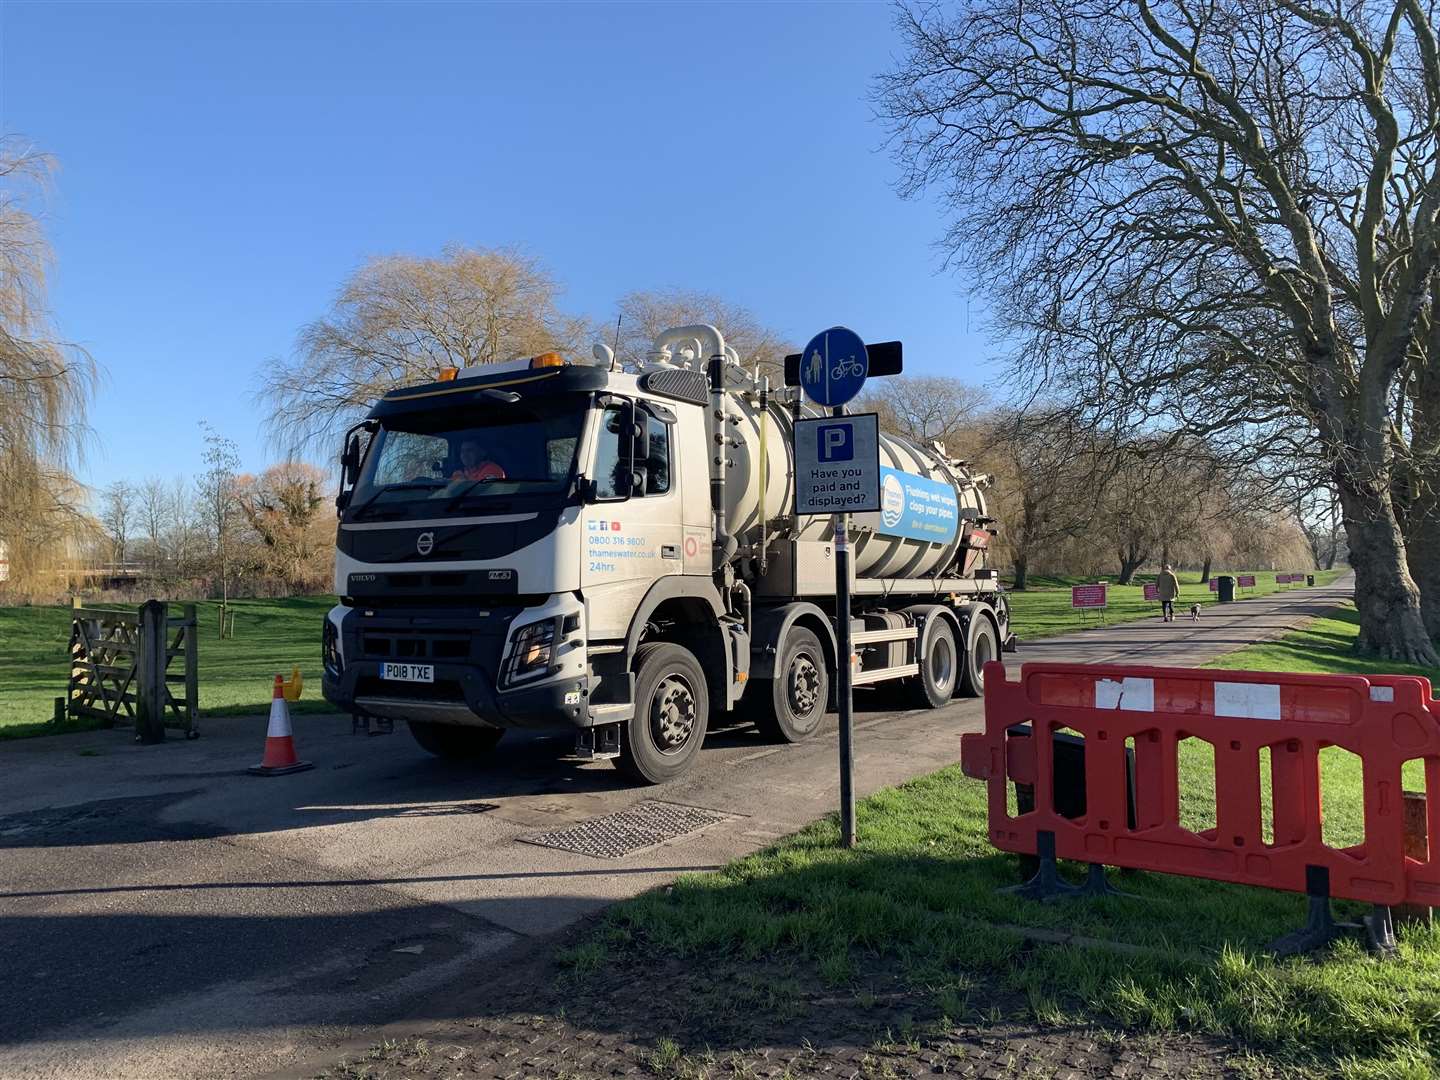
(120,668)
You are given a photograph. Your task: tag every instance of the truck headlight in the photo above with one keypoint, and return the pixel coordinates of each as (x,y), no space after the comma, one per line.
(531,649)
(330,649)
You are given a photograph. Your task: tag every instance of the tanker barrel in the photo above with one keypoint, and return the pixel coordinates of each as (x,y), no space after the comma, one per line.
(927,500)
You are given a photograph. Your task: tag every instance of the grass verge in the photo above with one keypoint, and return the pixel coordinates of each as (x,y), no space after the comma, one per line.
(235,674)
(1043,609)
(920,892)
(1326,645)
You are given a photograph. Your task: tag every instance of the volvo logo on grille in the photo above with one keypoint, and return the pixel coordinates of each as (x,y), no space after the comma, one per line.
(425,543)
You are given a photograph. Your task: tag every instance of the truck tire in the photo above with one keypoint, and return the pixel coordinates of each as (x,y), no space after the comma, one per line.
(984,646)
(790,706)
(456,743)
(939,665)
(672,711)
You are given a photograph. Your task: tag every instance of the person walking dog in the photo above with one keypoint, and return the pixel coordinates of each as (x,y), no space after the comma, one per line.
(1167,587)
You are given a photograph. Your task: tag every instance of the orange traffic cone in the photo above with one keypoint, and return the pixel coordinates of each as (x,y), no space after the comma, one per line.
(279,742)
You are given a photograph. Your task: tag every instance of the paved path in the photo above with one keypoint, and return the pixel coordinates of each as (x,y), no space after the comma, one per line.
(164,914)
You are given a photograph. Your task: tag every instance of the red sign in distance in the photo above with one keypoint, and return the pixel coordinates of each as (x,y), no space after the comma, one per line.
(1088,596)
(1214,584)
(1283,579)
(1152,592)
(1246,581)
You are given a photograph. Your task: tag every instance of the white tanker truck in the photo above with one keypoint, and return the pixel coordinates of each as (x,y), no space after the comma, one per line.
(556,545)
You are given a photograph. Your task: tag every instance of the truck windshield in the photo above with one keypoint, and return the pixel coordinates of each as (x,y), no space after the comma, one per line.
(455,458)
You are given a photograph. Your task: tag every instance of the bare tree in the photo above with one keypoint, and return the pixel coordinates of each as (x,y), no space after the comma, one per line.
(926,408)
(400,319)
(1225,218)
(643,315)
(1046,489)
(117,514)
(1317,513)
(282,507)
(153,512)
(45,385)
(216,489)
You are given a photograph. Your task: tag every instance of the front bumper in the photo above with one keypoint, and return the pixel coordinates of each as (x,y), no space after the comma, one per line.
(463,695)
(472,650)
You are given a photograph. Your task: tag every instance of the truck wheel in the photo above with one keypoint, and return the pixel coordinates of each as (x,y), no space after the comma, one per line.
(672,710)
(939,665)
(456,743)
(984,647)
(790,706)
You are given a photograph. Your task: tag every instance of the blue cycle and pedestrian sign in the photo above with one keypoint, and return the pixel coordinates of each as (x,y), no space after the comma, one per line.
(833,366)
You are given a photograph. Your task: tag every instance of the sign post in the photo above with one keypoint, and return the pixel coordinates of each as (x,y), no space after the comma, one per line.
(837,469)
(1086,598)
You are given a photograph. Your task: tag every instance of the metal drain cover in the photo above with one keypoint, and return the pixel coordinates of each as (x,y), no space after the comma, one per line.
(626,831)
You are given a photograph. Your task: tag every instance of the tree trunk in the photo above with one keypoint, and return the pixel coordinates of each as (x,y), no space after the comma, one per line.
(1422,534)
(1205,570)
(1386,597)
(1022,567)
(1423,548)
(1130,561)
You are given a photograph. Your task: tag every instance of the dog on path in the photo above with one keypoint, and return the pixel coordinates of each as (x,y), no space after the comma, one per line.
(1194,612)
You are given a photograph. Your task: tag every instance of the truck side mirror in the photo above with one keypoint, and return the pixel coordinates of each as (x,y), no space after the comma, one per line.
(639,435)
(350,461)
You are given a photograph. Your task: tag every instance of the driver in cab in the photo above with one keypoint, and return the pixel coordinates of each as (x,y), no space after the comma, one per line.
(476,464)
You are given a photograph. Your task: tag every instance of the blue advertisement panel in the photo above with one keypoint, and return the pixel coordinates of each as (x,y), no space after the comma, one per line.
(917,507)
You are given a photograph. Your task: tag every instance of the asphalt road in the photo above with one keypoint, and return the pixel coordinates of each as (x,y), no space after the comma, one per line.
(162,913)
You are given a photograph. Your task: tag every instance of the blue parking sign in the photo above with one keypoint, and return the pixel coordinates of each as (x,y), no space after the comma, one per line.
(837,464)
(834,442)
(833,366)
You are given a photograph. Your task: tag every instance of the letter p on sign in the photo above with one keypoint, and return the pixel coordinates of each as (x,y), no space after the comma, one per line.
(835,442)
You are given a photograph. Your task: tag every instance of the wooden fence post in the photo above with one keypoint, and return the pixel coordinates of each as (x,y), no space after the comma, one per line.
(192,667)
(150,673)
(1417,846)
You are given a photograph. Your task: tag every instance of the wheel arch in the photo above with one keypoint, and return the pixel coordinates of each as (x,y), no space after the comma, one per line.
(926,614)
(772,624)
(968,614)
(970,611)
(693,605)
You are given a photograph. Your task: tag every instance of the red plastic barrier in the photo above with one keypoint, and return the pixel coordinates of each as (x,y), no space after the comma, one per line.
(1384,720)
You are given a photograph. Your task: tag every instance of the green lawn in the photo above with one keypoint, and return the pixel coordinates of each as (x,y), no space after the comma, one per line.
(920,892)
(1043,608)
(272,635)
(236,674)
(1324,645)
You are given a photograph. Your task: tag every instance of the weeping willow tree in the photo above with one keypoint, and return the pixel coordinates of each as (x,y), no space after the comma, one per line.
(45,384)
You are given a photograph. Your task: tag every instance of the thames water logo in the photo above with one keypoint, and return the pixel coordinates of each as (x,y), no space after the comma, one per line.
(425,543)
(892,500)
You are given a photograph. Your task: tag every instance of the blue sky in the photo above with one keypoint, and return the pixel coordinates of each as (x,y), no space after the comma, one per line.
(223,167)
